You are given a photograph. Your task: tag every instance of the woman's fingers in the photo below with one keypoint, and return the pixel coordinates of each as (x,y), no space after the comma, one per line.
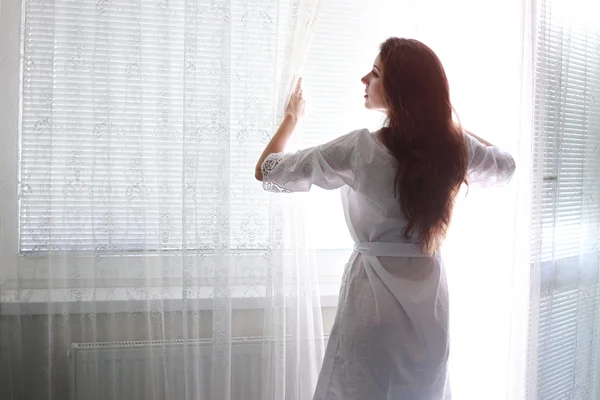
(299,86)
(296,102)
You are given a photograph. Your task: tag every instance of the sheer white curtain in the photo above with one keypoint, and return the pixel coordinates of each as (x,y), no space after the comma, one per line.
(565,315)
(130,215)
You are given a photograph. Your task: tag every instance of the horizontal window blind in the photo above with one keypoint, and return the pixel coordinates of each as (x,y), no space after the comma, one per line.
(567,347)
(567,133)
(567,154)
(132,126)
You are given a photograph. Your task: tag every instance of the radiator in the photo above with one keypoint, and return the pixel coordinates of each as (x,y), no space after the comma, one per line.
(156,370)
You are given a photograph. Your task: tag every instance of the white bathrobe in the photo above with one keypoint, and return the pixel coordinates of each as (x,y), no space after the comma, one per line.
(390,335)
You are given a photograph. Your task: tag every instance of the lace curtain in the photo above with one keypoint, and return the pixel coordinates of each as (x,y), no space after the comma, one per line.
(134,219)
(565,311)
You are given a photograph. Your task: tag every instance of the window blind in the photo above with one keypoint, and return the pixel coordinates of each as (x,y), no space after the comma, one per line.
(567,346)
(566,152)
(567,124)
(129,111)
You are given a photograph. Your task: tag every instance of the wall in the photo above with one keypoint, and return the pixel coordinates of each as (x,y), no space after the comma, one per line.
(24,372)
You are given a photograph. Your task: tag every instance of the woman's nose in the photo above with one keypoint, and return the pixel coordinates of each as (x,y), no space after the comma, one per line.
(364,80)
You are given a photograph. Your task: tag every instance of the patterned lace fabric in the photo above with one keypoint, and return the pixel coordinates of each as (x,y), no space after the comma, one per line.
(129,212)
(267,168)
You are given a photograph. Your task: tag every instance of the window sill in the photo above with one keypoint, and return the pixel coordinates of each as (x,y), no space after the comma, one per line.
(71,270)
(135,299)
(83,285)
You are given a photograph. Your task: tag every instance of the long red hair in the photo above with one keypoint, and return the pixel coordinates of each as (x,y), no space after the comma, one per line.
(423,137)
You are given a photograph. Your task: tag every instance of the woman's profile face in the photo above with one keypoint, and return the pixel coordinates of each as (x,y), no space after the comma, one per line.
(374,96)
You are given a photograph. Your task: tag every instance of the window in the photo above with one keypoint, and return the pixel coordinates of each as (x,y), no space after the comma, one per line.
(342,52)
(115,135)
(567,216)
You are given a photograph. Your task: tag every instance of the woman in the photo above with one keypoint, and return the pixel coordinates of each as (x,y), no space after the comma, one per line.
(390,335)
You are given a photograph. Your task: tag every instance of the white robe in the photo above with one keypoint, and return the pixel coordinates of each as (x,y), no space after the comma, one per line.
(390,336)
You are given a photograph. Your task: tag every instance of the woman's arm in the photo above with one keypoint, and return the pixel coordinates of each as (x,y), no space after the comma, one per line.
(293,114)
(488,165)
(277,143)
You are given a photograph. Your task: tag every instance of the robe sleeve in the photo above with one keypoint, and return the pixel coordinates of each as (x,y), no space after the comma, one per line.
(329,166)
(488,165)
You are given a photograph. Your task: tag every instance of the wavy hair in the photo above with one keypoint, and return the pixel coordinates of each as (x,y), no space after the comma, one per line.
(423,137)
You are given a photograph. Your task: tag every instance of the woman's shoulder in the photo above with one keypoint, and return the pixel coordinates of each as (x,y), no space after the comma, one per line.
(362,134)
(349,139)
(359,132)
(363,142)
(372,144)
